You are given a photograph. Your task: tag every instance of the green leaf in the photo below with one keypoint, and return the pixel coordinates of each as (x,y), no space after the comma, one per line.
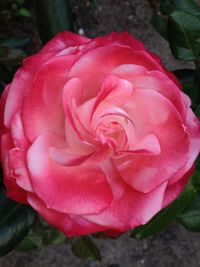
(160,25)
(191,217)
(15,221)
(195,179)
(15,42)
(167,7)
(41,234)
(14,6)
(187,6)
(24,12)
(85,248)
(53,17)
(56,237)
(30,242)
(166,216)
(20,2)
(184,34)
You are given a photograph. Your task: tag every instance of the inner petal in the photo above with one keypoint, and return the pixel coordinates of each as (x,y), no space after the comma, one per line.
(114,90)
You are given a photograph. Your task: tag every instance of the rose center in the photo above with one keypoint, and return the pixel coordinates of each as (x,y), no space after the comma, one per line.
(111,134)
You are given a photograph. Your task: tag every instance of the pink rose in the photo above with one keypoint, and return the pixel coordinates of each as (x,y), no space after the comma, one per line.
(97,135)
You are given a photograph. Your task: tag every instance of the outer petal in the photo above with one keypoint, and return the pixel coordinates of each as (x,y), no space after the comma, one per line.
(78,190)
(21,83)
(173,191)
(71,225)
(2,107)
(62,41)
(193,130)
(18,154)
(13,190)
(129,207)
(42,109)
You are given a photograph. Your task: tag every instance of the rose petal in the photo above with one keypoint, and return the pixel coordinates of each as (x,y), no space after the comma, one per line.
(42,109)
(12,189)
(115,91)
(129,207)
(114,55)
(174,190)
(148,145)
(78,190)
(64,157)
(193,130)
(71,225)
(143,172)
(62,41)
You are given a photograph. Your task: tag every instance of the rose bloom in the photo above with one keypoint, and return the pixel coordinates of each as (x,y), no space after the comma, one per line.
(96,135)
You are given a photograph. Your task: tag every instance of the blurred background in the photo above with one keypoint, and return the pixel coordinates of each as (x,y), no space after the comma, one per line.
(19,37)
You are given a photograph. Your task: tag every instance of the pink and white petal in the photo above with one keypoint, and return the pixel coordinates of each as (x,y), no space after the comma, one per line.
(129,207)
(159,82)
(64,40)
(107,113)
(114,90)
(193,130)
(22,81)
(174,190)
(70,225)
(18,153)
(13,190)
(42,108)
(72,97)
(17,132)
(78,190)
(148,145)
(19,168)
(84,112)
(145,173)
(66,158)
(170,75)
(129,71)
(75,143)
(118,38)
(108,58)
(155,80)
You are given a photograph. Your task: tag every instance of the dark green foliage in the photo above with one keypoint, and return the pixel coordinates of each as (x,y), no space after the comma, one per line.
(15,221)
(84,247)
(53,17)
(179,22)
